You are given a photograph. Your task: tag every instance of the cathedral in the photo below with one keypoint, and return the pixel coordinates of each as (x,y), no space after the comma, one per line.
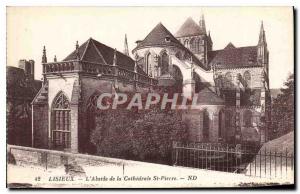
(232,85)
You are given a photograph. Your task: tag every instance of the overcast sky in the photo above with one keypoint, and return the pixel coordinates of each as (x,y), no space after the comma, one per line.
(58,28)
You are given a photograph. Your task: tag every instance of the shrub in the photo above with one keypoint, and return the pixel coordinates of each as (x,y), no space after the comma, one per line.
(144,135)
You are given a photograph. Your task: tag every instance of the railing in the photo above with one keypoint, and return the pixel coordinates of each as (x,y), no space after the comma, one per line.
(96,69)
(59,67)
(234,158)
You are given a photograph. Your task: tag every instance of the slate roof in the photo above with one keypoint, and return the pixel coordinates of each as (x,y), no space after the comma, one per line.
(232,57)
(94,51)
(157,37)
(189,28)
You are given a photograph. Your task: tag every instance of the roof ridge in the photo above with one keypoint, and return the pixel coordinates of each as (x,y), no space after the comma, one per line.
(98,52)
(111,48)
(233,48)
(88,42)
(74,51)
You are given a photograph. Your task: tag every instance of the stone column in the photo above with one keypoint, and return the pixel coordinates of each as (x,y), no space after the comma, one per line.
(263,134)
(74,128)
(237,115)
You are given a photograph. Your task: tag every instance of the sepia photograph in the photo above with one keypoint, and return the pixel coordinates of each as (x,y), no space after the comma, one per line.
(150,97)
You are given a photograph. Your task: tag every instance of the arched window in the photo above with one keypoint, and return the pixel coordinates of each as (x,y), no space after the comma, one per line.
(247,78)
(164,63)
(61,125)
(148,64)
(228,79)
(247,117)
(193,45)
(205,125)
(186,43)
(198,45)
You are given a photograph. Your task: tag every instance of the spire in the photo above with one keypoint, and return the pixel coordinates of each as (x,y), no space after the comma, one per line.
(202,23)
(209,37)
(44,57)
(126,52)
(115,58)
(77,45)
(77,51)
(262,36)
(55,59)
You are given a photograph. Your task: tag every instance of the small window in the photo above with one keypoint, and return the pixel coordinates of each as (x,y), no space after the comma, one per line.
(167,39)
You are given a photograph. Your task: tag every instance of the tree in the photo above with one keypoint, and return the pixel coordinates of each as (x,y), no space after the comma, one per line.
(283,108)
(146,135)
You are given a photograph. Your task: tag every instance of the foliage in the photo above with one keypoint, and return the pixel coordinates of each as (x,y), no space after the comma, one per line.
(145,135)
(283,108)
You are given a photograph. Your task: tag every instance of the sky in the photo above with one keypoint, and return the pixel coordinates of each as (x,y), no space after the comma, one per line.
(58,28)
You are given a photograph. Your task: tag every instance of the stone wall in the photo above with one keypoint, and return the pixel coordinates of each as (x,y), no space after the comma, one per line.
(53,158)
(40,125)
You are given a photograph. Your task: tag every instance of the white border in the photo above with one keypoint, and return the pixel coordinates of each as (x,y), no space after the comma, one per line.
(5,3)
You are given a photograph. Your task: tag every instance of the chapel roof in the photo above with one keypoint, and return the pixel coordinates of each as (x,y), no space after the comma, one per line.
(96,52)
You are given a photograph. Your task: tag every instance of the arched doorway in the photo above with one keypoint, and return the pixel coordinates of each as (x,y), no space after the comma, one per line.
(61,122)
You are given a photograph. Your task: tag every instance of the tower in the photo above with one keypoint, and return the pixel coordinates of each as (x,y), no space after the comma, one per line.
(262,49)
(44,57)
(28,67)
(202,24)
(194,37)
(205,43)
(265,99)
